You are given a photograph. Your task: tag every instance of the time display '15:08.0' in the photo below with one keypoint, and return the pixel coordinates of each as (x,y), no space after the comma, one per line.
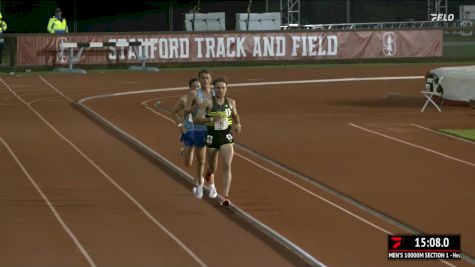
(432,242)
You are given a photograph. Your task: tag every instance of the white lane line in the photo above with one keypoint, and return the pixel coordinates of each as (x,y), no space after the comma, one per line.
(326,200)
(44,99)
(144,104)
(181,88)
(50,205)
(247,217)
(287,180)
(316,195)
(55,89)
(390,78)
(294,184)
(120,188)
(158,113)
(441,133)
(413,145)
(159,98)
(246,84)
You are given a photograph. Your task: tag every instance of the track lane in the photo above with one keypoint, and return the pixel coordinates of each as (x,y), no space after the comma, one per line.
(27,224)
(318,236)
(213,228)
(79,93)
(92,208)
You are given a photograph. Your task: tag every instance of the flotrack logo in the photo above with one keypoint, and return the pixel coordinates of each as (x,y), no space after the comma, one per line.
(389,44)
(442,17)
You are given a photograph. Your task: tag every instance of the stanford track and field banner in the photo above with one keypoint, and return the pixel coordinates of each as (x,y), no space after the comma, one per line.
(35,50)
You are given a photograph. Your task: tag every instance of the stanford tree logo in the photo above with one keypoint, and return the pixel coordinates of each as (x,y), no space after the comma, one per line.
(62,55)
(389,44)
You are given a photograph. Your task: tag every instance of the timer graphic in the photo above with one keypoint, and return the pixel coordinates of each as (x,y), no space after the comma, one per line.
(424,247)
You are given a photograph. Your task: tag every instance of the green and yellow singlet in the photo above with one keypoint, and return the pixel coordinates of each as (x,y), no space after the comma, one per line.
(225,111)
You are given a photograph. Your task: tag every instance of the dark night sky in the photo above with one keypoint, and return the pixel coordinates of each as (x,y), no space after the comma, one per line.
(32,16)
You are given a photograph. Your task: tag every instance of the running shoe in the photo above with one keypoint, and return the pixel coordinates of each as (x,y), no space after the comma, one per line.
(226,202)
(198,191)
(212,191)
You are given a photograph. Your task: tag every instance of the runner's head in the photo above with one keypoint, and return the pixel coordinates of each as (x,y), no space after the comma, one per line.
(205,78)
(194,84)
(220,86)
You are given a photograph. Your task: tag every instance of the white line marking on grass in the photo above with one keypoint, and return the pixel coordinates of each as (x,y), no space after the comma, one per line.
(120,188)
(442,133)
(413,145)
(50,205)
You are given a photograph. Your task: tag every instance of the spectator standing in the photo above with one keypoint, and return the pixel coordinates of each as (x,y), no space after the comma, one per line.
(3,28)
(57,24)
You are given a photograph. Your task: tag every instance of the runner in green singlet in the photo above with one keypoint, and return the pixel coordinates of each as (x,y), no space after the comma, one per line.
(221,117)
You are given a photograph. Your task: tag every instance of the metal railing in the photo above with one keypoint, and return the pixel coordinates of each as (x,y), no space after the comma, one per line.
(382,25)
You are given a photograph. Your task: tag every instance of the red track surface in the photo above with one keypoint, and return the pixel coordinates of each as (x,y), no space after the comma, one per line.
(304,126)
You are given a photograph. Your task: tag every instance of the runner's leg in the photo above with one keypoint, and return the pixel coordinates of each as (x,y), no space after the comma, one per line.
(200,162)
(188,155)
(212,158)
(226,155)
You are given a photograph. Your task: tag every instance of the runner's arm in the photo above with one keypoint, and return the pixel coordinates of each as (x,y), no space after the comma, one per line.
(177,110)
(236,118)
(201,115)
(191,103)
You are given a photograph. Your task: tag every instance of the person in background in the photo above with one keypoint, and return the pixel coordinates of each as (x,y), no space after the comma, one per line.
(3,28)
(57,24)
(193,136)
(199,97)
(208,92)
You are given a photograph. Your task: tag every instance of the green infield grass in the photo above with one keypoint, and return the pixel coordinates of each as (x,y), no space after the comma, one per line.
(468,134)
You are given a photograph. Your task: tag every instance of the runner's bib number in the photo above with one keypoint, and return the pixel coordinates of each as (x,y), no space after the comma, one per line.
(209,139)
(221,124)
